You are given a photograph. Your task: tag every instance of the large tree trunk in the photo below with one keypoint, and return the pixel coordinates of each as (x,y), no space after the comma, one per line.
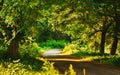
(13,49)
(102,43)
(114,46)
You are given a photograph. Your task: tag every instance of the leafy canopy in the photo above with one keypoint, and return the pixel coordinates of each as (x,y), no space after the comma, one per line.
(18,16)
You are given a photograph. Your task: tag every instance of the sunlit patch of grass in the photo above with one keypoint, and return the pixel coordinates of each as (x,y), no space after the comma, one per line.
(86,54)
(98,57)
(110,60)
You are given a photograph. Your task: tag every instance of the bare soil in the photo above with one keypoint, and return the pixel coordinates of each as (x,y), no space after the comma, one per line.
(80,66)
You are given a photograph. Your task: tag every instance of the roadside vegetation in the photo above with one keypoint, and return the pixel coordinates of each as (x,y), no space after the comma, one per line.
(29,62)
(82,28)
(83,52)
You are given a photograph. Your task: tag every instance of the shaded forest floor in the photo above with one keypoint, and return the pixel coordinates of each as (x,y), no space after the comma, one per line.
(62,63)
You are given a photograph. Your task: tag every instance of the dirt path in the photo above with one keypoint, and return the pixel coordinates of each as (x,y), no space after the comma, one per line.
(62,64)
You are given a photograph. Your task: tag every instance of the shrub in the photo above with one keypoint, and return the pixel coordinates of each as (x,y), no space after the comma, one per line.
(3,50)
(70,71)
(53,43)
(31,49)
(48,68)
(70,49)
(110,60)
(12,68)
(18,67)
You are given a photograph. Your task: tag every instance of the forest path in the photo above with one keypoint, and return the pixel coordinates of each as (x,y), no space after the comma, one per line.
(62,63)
(80,65)
(52,52)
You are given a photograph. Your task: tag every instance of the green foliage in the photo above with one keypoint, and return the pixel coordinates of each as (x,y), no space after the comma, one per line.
(70,17)
(30,66)
(70,49)
(53,43)
(110,60)
(13,68)
(18,17)
(82,20)
(70,71)
(34,49)
(85,54)
(48,68)
(2,50)
(29,49)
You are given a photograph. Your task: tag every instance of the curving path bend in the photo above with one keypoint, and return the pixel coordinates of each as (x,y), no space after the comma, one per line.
(62,63)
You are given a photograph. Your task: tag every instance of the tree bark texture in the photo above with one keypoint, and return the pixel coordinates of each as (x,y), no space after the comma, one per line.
(13,49)
(114,46)
(102,43)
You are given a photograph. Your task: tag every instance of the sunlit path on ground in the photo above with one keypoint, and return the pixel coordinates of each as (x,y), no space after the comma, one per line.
(52,52)
(81,66)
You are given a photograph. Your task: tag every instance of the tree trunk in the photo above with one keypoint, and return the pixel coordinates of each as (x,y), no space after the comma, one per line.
(13,50)
(102,43)
(114,46)
(1,4)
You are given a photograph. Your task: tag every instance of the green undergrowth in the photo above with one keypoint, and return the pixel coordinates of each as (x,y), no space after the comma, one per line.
(30,66)
(113,60)
(91,55)
(70,49)
(33,49)
(85,54)
(27,64)
(36,49)
(53,44)
(109,60)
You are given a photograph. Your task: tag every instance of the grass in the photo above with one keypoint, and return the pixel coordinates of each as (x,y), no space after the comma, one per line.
(84,53)
(20,67)
(109,60)
(100,58)
(27,64)
(30,66)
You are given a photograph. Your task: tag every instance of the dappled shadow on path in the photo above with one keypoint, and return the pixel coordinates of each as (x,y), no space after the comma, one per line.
(91,68)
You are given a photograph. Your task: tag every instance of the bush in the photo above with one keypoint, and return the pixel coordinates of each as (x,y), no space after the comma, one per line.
(110,60)
(70,49)
(70,71)
(12,68)
(17,67)
(48,68)
(31,49)
(53,44)
(34,50)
